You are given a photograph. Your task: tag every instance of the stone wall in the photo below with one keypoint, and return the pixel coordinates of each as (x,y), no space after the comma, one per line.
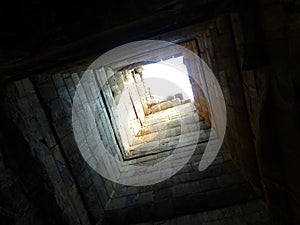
(261,106)
(41,108)
(247,213)
(198,83)
(269,61)
(187,192)
(27,197)
(214,43)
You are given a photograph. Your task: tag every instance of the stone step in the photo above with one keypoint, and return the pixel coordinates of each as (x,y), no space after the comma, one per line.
(169,114)
(164,125)
(165,105)
(172,143)
(169,132)
(167,143)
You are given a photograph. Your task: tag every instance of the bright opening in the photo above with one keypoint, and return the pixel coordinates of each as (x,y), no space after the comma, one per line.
(167,78)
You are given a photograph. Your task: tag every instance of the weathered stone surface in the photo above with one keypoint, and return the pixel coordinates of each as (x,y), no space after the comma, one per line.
(47,91)
(227,216)
(261,112)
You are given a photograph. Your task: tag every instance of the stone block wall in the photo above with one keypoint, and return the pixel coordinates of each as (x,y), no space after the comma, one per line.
(247,213)
(41,107)
(187,192)
(269,60)
(238,134)
(131,103)
(26,195)
(214,43)
(198,83)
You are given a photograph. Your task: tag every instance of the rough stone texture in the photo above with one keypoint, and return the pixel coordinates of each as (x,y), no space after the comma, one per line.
(49,133)
(186,192)
(254,212)
(91,198)
(270,92)
(217,50)
(264,72)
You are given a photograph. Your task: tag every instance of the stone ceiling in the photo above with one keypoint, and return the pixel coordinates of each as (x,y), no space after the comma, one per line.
(38,35)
